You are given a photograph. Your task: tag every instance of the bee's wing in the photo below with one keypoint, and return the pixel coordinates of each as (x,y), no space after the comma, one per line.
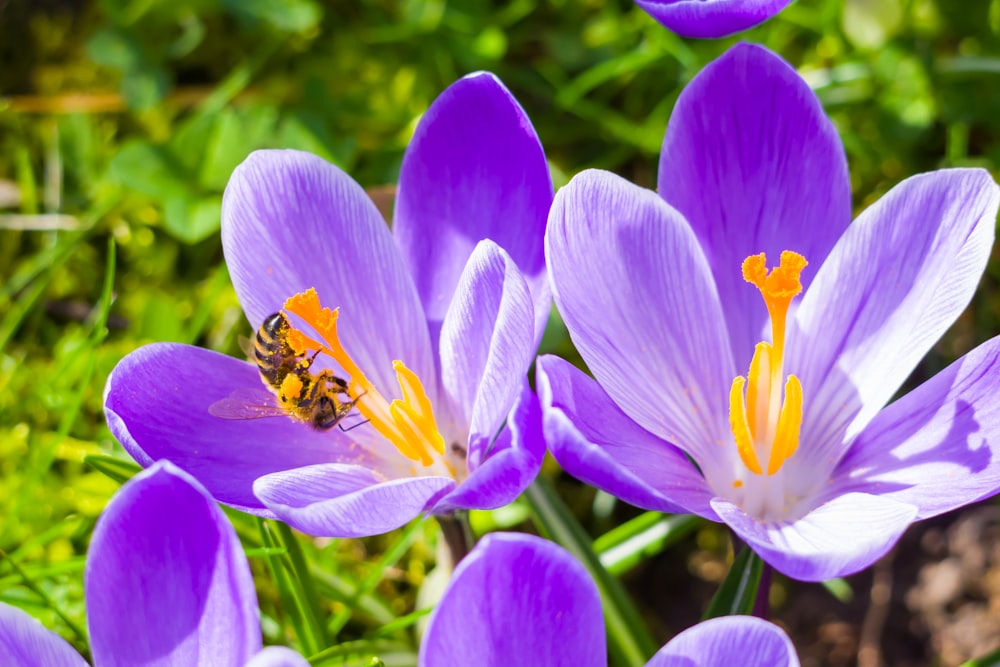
(247,403)
(247,346)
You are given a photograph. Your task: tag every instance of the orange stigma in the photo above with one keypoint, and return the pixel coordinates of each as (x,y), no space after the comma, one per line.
(765,424)
(407,422)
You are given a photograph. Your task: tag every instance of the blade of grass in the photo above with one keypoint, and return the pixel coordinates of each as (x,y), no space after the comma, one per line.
(30,584)
(286,590)
(629,640)
(305,589)
(388,559)
(738,591)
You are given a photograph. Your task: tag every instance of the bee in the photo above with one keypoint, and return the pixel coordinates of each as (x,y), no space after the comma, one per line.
(313,398)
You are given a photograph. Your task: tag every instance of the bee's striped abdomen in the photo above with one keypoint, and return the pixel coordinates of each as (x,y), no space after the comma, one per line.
(275,357)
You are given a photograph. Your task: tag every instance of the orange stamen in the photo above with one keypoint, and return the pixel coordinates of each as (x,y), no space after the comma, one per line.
(407,422)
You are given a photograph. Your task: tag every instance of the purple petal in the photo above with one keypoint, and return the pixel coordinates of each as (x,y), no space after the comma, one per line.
(938,447)
(731,640)
(338,500)
(593,440)
(517,600)
(25,642)
(474,170)
(487,344)
(511,464)
(166,578)
(637,297)
(291,221)
(754,164)
(896,281)
(711,19)
(827,542)
(277,656)
(157,400)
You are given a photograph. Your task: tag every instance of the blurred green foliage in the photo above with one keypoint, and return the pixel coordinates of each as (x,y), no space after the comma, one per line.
(121,121)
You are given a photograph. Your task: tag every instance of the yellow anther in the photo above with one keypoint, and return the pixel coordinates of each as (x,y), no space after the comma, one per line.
(741,429)
(786,437)
(408,423)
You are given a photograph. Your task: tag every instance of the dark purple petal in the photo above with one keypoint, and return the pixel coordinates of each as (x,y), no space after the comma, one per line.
(847,534)
(291,221)
(893,285)
(517,600)
(711,19)
(637,296)
(730,640)
(754,164)
(512,461)
(24,642)
(277,656)
(166,578)
(157,400)
(938,447)
(593,440)
(487,345)
(338,500)
(474,170)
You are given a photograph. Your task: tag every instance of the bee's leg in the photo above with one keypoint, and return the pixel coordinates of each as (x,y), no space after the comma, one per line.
(350,406)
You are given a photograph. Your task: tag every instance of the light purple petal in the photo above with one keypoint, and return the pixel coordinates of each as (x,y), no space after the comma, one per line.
(841,537)
(291,221)
(157,400)
(24,642)
(638,299)
(166,579)
(938,447)
(335,500)
(727,641)
(711,19)
(487,344)
(277,656)
(896,281)
(511,464)
(593,440)
(754,164)
(517,600)
(474,170)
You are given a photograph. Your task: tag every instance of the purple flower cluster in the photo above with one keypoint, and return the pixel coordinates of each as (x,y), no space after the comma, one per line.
(744,336)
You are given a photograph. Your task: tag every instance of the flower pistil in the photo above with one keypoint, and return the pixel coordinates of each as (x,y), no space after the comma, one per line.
(766,424)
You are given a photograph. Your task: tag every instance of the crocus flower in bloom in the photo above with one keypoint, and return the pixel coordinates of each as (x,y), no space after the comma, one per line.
(517,599)
(433,325)
(711,19)
(166,583)
(757,397)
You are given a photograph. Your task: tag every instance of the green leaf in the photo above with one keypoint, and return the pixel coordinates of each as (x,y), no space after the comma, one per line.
(285,15)
(651,533)
(117,469)
(193,220)
(991,659)
(629,642)
(738,592)
(148,169)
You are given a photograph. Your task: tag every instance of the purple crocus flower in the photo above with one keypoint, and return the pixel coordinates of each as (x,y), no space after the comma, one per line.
(436,325)
(711,19)
(166,583)
(724,391)
(517,599)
